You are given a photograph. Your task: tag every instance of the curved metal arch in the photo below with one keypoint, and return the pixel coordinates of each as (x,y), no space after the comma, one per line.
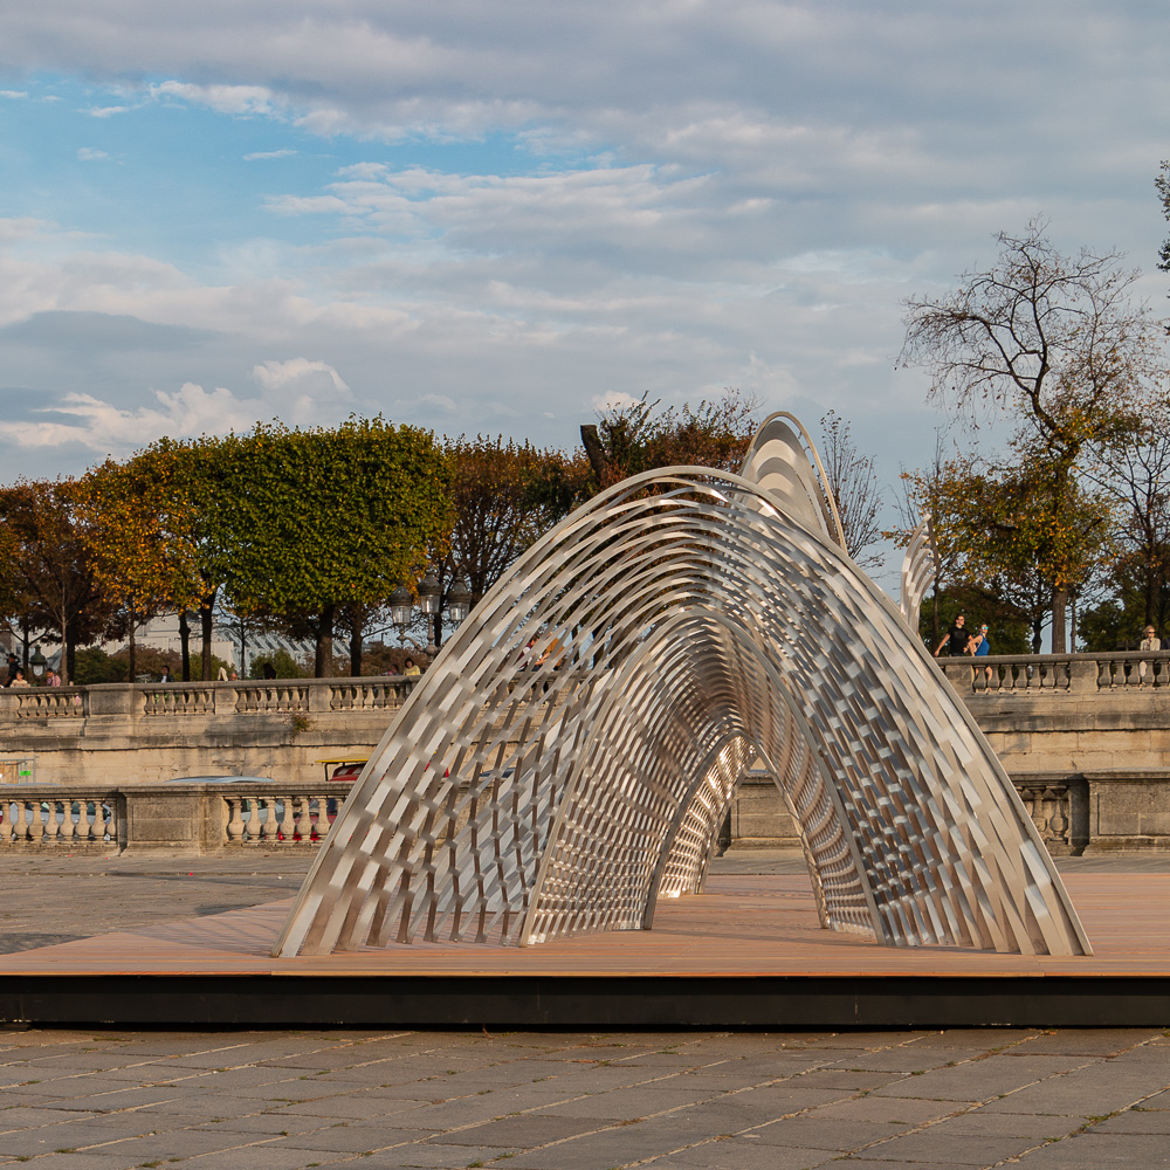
(530,785)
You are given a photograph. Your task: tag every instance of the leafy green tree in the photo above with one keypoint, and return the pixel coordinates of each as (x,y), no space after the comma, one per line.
(282,662)
(318,519)
(1004,536)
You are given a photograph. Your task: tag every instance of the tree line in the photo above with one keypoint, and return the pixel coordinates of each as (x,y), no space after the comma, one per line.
(308,532)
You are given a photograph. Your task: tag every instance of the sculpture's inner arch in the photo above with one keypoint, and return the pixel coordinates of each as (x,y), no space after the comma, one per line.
(570,756)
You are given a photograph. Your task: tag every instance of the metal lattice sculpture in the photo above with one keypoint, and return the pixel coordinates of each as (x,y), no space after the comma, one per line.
(571,754)
(919,569)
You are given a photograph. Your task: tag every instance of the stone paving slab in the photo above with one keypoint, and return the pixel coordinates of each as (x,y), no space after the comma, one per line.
(791,1102)
(1093,1151)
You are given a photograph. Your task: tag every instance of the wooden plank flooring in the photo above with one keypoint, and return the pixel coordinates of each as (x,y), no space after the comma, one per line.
(743,926)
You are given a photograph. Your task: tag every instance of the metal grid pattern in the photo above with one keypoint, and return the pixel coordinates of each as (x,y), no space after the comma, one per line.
(569,757)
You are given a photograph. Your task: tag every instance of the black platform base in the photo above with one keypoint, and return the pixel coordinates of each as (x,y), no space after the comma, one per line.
(585,1003)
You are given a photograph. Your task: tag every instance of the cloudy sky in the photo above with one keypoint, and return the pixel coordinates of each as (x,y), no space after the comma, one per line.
(490,215)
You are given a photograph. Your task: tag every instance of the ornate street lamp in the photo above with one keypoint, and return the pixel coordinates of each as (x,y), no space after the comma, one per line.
(459,600)
(38,661)
(401,610)
(430,593)
(430,603)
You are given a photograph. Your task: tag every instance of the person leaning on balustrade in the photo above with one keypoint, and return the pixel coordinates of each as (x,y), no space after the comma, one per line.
(1149,643)
(957,639)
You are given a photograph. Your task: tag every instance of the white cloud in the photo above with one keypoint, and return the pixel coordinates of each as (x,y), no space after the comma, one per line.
(273,375)
(224,99)
(103,428)
(13,94)
(613,400)
(22,228)
(90,154)
(669,197)
(105,111)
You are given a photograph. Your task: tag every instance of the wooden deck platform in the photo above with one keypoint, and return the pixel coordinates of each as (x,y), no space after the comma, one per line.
(747,952)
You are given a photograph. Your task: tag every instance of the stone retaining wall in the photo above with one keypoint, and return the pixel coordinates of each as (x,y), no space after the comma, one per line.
(1085,738)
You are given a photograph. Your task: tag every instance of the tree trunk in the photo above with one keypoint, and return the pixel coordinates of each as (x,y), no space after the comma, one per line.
(185,644)
(1059,605)
(355,645)
(1151,590)
(205,623)
(591,441)
(131,645)
(323,656)
(1037,626)
(66,648)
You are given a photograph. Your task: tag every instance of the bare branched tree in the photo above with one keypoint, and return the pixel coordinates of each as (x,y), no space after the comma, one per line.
(1056,342)
(853,481)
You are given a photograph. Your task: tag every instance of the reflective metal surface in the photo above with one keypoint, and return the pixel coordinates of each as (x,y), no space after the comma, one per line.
(570,756)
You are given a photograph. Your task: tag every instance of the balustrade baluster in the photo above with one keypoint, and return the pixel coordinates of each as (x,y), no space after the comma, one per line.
(51,826)
(1057,820)
(65,824)
(288,824)
(264,826)
(235,823)
(5,821)
(36,824)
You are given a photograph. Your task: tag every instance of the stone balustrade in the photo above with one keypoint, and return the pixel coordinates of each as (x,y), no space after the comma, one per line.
(1085,737)
(44,815)
(170,700)
(1071,674)
(200,817)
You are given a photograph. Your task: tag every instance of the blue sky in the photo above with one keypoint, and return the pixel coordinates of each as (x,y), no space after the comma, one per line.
(495,216)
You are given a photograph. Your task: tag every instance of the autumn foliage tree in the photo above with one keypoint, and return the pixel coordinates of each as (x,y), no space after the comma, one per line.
(505,495)
(640,436)
(138,520)
(1056,343)
(50,574)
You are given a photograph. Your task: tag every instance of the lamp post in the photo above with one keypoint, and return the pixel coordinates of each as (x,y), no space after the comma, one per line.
(38,662)
(430,603)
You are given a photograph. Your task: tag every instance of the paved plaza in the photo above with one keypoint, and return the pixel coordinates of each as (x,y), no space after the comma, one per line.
(522,1101)
(73,1099)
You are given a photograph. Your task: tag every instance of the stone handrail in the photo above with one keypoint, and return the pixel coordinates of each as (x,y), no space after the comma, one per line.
(189,816)
(47,815)
(175,700)
(996,673)
(281,817)
(1081,674)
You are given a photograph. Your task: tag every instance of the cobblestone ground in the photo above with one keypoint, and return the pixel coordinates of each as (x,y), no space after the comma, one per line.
(70,1100)
(281,1100)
